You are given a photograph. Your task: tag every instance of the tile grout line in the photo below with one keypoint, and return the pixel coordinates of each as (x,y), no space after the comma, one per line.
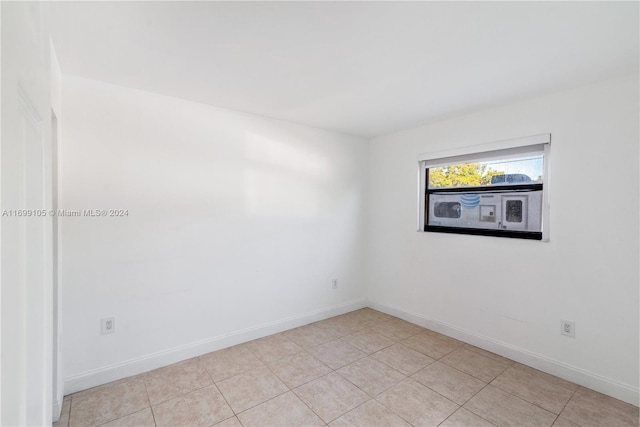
(372,397)
(465,345)
(525,400)
(388,388)
(436,338)
(182,394)
(278,378)
(265,364)
(471,375)
(445,420)
(149,400)
(219,391)
(452,367)
(470,410)
(413,373)
(347,379)
(437,392)
(258,404)
(573,392)
(335,371)
(305,403)
(471,347)
(517,397)
(119,418)
(225,399)
(341,376)
(565,405)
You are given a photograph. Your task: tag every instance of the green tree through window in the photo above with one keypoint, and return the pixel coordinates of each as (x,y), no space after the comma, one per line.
(461,175)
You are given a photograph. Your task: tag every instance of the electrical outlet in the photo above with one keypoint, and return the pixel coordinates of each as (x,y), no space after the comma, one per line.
(568,328)
(334,283)
(107,325)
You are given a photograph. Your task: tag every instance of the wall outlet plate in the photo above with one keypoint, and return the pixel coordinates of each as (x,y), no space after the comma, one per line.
(107,325)
(568,328)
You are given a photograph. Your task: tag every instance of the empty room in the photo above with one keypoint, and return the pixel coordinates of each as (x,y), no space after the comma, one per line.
(320,213)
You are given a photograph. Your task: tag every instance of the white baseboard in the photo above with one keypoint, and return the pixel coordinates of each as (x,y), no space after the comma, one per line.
(608,386)
(149,362)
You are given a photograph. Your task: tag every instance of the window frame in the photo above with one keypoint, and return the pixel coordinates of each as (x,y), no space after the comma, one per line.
(512,148)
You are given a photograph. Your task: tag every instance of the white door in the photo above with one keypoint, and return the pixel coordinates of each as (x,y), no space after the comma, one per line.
(25,228)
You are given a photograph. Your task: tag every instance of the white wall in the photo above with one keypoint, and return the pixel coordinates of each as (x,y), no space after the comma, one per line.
(236,223)
(510,295)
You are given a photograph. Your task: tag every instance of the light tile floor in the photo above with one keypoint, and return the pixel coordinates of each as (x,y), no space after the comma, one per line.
(364,368)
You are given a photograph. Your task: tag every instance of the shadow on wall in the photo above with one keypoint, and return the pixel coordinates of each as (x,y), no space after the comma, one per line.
(285,180)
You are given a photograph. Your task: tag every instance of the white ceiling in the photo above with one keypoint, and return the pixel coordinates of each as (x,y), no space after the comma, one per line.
(363,68)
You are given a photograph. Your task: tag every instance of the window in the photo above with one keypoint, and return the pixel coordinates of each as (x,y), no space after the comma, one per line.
(497,189)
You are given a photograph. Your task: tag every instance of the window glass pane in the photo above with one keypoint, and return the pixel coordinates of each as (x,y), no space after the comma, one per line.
(527,170)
